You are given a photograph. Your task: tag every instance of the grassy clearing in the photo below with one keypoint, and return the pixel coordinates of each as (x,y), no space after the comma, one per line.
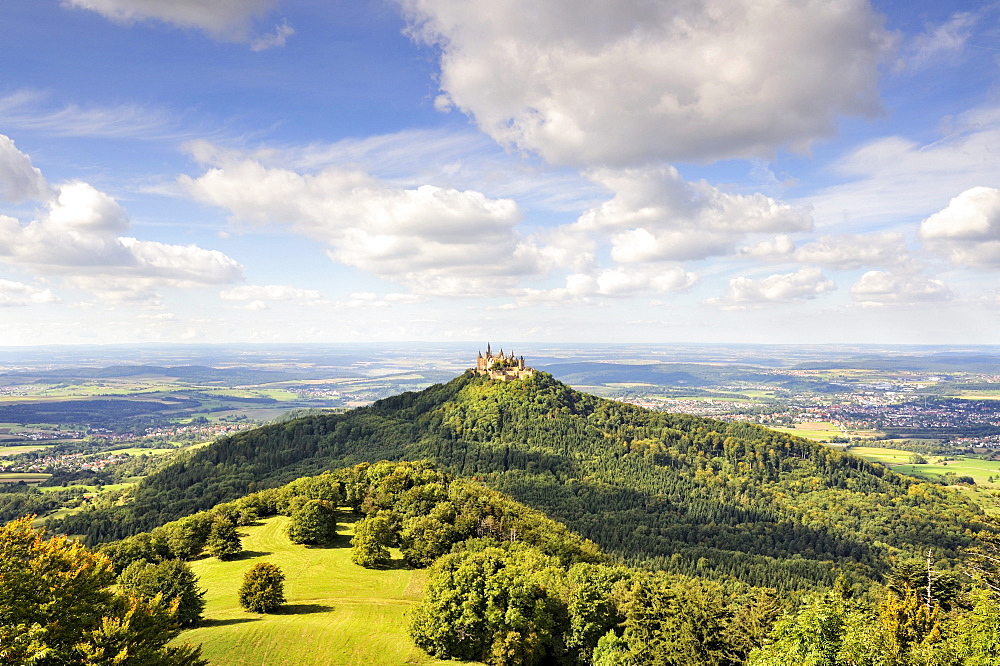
(13,450)
(820,431)
(937,466)
(980,470)
(27,477)
(888,457)
(337,613)
(138,451)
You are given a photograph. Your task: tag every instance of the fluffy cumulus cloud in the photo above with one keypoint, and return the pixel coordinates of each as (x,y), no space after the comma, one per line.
(590,82)
(433,239)
(657,216)
(842,252)
(806,283)
(19,179)
(17,293)
(878,288)
(967,230)
(225,19)
(81,238)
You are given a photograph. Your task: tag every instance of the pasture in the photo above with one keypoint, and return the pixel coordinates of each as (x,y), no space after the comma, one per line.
(337,613)
(27,477)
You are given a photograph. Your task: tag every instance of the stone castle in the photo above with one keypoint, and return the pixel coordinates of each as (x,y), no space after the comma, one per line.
(505,368)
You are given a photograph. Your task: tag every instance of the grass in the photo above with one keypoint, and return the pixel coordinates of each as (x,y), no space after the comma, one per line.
(28,448)
(337,613)
(937,466)
(27,477)
(138,451)
(816,430)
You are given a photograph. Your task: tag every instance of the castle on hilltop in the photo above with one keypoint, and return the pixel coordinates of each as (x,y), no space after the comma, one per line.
(503,368)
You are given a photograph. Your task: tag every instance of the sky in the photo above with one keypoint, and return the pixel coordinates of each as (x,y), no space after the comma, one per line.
(306,171)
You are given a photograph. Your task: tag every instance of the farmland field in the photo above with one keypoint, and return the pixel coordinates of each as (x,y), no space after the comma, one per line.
(333,607)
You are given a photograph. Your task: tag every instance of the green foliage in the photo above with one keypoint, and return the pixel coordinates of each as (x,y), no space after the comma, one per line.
(56,608)
(677,492)
(315,523)
(173,580)
(490,606)
(223,540)
(372,535)
(263,588)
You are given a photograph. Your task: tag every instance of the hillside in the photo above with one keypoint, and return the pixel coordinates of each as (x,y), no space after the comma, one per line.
(678,492)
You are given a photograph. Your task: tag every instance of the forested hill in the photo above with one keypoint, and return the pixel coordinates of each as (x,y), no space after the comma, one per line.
(678,492)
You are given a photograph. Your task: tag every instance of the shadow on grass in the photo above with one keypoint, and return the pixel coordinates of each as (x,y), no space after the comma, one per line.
(302,609)
(249,555)
(222,623)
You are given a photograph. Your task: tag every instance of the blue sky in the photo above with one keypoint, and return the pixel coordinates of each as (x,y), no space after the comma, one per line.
(638,170)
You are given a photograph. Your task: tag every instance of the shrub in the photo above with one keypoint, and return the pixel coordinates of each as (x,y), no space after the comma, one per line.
(263,589)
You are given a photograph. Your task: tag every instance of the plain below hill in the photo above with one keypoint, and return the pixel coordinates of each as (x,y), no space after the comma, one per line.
(671,491)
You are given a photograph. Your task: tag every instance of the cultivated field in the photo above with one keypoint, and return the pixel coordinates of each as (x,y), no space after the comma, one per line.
(337,613)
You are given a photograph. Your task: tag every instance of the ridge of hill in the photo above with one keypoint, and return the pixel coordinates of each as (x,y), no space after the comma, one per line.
(671,491)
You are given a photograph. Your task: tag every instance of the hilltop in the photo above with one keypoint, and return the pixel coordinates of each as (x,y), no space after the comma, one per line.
(677,492)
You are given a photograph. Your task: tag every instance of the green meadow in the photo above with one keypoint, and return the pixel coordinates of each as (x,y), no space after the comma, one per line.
(937,466)
(337,613)
(27,477)
(815,430)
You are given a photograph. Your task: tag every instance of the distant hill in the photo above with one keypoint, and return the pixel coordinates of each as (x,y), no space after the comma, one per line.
(671,491)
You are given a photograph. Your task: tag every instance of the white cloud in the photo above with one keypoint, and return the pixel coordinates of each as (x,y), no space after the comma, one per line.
(31,110)
(878,288)
(428,237)
(225,19)
(656,216)
(806,283)
(894,178)
(80,238)
(624,83)
(19,179)
(967,230)
(939,42)
(276,39)
(612,282)
(14,294)
(843,252)
(271,292)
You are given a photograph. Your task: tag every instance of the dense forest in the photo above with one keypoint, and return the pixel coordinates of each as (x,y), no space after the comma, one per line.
(677,493)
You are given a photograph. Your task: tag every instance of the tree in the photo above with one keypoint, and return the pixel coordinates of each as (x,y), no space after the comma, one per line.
(172,579)
(263,589)
(315,523)
(223,541)
(57,609)
(492,605)
(371,536)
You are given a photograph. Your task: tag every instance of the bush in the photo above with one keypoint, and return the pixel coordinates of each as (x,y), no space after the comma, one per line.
(263,589)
